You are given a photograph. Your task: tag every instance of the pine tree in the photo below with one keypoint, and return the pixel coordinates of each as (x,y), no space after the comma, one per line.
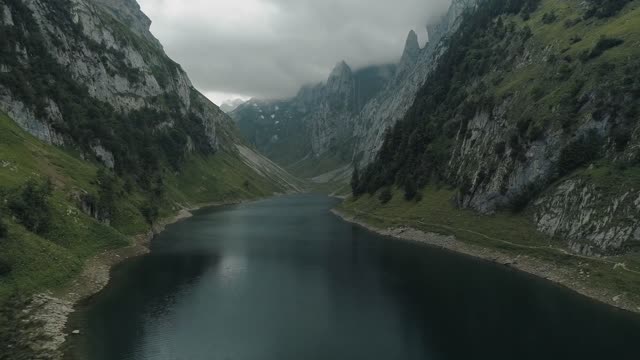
(3,228)
(30,205)
(410,189)
(355,182)
(385,195)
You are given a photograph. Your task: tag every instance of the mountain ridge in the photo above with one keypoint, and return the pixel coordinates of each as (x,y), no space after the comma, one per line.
(307,134)
(102,135)
(536,124)
(342,137)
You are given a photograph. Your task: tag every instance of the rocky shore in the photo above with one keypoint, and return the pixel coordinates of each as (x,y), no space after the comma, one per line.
(51,310)
(572,278)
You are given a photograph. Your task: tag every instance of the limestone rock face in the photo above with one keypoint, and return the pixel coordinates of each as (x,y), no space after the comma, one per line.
(318,121)
(595,210)
(26,119)
(104,155)
(590,220)
(335,106)
(107,48)
(410,54)
(497,161)
(341,82)
(346,117)
(391,104)
(7,19)
(128,12)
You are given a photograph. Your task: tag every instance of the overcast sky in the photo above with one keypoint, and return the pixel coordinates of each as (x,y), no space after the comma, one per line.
(269,48)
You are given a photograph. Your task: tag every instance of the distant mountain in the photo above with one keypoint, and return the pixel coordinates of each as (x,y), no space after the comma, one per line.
(230,105)
(391,104)
(328,128)
(311,133)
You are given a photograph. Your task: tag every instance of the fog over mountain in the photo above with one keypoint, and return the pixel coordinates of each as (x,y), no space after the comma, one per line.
(269,48)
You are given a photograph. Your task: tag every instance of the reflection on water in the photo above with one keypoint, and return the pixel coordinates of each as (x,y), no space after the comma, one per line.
(142,292)
(285,279)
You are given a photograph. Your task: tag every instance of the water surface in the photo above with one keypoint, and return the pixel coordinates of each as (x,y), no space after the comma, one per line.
(283,279)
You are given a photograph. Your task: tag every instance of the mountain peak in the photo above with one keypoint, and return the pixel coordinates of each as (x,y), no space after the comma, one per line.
(411,47)
(412,39)
(129,13)
(341,69)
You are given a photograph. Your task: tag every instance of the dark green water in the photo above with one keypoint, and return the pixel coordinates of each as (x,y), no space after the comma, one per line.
(283,279)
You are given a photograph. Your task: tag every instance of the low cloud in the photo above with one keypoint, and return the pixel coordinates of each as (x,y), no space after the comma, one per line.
(269,48)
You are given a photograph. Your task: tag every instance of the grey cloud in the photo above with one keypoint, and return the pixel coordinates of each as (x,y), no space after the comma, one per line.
(283,44)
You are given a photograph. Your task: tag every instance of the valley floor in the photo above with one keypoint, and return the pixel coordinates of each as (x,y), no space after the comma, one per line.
(507,239)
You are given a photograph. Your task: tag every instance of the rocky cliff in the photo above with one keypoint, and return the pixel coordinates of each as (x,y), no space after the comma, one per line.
(529,108)
(102,137)
(317,123)
(54,52)
(349,129)
(391,104)
(591,219)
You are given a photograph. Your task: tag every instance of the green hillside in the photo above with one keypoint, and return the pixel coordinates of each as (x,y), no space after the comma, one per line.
(504,232)
(546,68)
(47,258)
(525,139)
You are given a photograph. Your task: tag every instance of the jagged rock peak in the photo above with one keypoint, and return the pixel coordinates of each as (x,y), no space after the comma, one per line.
(130,14)
(341,79)
(341,69)
(411,47)
(410,55)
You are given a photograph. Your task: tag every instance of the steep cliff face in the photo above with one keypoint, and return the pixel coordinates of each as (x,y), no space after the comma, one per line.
(115,55)
(335,107)
(522,110)
(128,12)
(275,128)
(343,122)
(591,218)
(391,104)
(505,163)
(102,137)
(57,51)
(88,76)
(317,123)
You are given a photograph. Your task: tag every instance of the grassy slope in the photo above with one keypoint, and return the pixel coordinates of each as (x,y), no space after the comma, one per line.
(311,167)
(49,262)
(73,237)
(558,40)
(505,232)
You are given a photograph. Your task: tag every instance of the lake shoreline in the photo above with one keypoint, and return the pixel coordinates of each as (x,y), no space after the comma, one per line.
(561,276)
(54,308)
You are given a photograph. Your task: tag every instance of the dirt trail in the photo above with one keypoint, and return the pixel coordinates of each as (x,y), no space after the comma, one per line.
(549,247)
